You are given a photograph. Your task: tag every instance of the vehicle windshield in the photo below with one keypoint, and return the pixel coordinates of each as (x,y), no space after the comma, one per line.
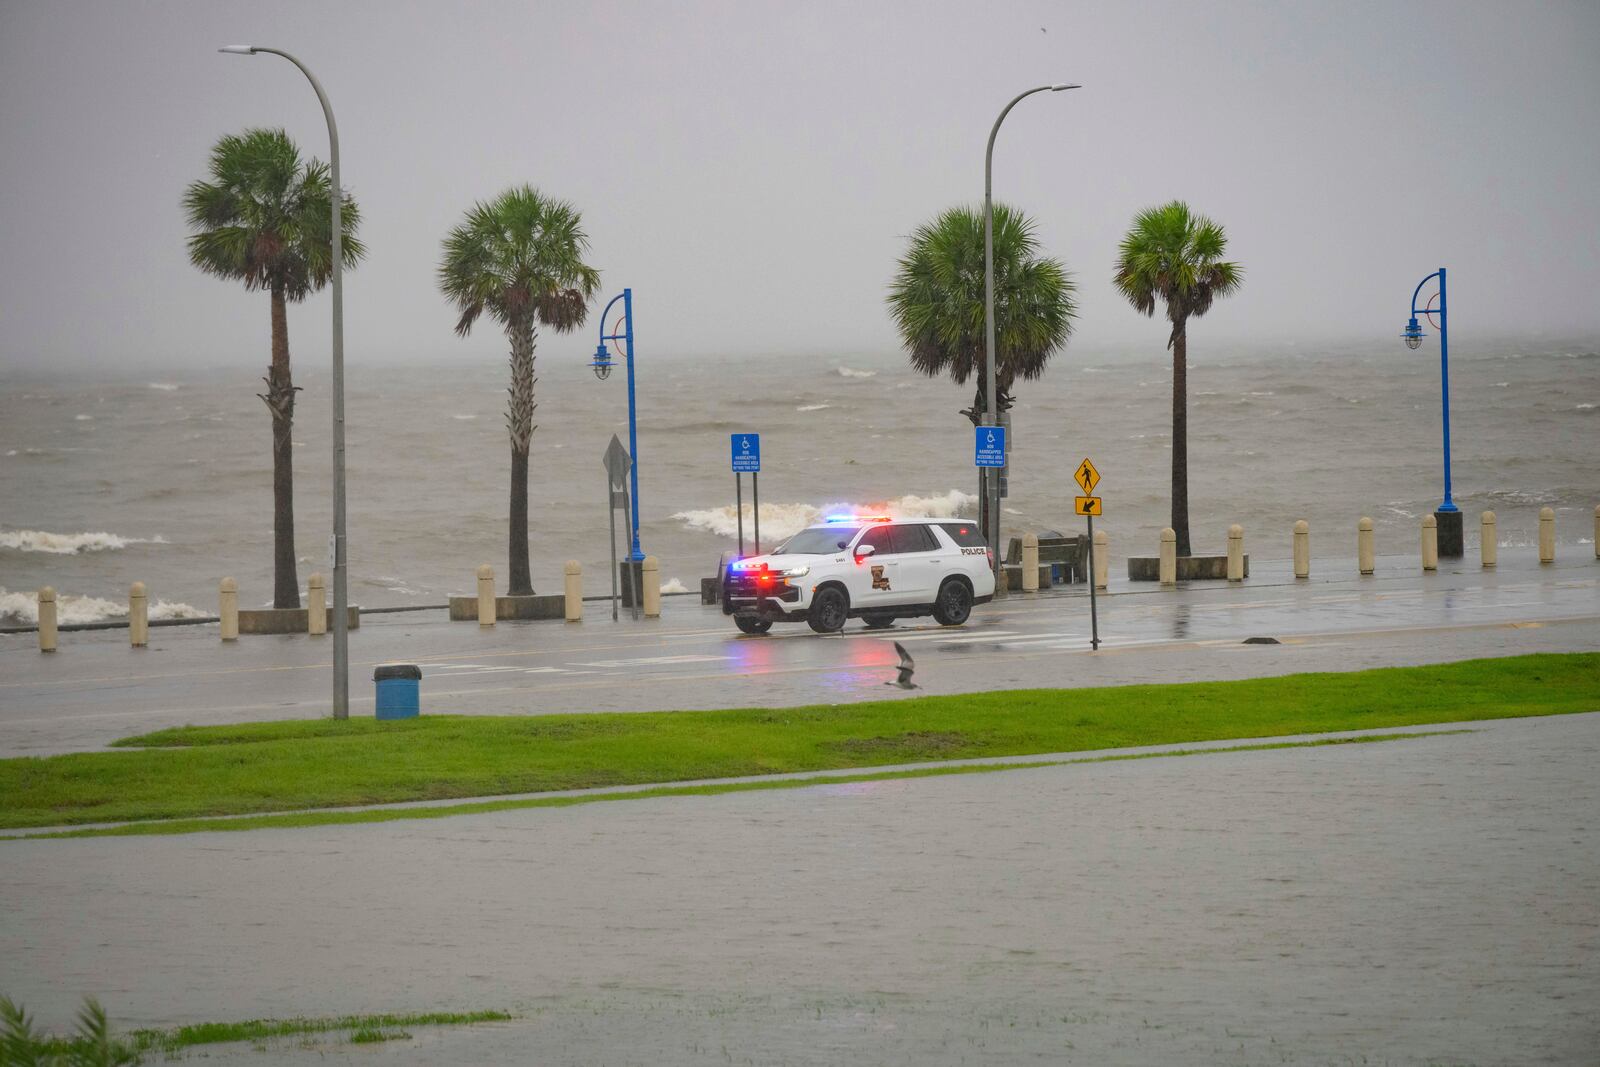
(816,541)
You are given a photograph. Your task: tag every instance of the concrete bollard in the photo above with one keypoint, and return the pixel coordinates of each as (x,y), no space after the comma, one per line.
(1030,562)
(138,616)
(1302,549)
(1102,559)
(47,619)
(1547,535)
(650,579)
(1169,558)
(574,591)
(228,608)
(1488,539)
(1236,553)
(1366,554)
(316,606)
(1430,543)
(485,595)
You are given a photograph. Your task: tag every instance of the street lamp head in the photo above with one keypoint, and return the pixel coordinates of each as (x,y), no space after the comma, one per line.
(1413,335)
(602,362)
(238,49)
(1058,88)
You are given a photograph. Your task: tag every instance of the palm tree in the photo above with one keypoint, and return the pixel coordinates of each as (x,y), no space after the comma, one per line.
(936,299)
(265,219)
(520,258)
(1176,256)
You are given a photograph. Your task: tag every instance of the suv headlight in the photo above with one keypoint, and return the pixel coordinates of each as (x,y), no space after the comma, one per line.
(797,572)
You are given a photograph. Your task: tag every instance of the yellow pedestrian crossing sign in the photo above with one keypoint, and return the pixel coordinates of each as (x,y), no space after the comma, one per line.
(1088,505)
(1087,477)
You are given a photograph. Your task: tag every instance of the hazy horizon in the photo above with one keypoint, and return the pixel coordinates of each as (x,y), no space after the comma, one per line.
(751,170)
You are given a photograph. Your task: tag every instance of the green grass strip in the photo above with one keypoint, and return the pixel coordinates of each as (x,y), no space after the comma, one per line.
(443,811)
(362,1028)
(199,772)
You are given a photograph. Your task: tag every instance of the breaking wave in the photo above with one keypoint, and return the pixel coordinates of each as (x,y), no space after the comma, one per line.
(673,585)
(851,372)
(23,608)
(780,520)
(813,407)
(70,544)
(165,387)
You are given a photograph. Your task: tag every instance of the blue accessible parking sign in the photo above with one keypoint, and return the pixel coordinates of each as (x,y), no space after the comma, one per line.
(989,448)
(746,453)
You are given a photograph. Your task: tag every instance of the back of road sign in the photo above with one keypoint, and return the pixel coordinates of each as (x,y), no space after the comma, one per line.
(746,453)
(989,446)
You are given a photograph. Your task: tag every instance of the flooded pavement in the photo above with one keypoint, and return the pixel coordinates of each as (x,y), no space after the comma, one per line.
(95,689)
(1434,900)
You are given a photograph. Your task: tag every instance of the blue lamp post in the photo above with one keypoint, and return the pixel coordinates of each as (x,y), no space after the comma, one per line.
(602,369)
(1447,515)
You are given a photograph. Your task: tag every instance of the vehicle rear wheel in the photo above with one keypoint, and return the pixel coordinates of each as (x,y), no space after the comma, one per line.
(748,625)
(954,604)
(878,622)
(829,609)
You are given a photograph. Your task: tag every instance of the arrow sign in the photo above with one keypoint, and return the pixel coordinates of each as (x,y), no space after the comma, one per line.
(746,453)
(617,462)
(989,446)
(1087,478)
(1087,505)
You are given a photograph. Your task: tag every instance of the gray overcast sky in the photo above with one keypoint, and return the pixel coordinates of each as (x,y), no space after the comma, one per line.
(751,168)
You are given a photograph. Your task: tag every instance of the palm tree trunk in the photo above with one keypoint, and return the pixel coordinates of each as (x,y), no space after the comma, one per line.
(1180,435)
(519,422)
(279,399)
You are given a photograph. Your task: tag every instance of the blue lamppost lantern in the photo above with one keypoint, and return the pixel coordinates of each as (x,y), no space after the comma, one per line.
(622,333)
(602,362)
(1447,515)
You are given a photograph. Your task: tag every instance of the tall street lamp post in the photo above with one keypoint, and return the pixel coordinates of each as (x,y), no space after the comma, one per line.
(991,417)
(1447,515)
(341,589)
(602,369)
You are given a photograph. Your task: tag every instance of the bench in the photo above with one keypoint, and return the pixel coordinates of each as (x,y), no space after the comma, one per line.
(1066,556)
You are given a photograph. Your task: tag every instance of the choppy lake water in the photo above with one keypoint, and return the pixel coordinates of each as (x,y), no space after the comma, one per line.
(166,478)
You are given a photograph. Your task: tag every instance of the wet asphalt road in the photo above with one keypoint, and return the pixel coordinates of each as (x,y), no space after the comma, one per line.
(96,689)
(1434,900)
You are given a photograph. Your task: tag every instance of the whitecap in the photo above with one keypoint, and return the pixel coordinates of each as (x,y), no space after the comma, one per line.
(851,372)
(165,387)
(24,608)
(812,407)
(1585,407)
(70,544)
(463,418)
(83,418)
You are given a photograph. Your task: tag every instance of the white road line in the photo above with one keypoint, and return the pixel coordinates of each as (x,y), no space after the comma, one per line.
(651,661)
(947,636)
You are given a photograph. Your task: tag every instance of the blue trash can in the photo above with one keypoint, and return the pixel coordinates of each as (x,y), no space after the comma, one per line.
(398,690)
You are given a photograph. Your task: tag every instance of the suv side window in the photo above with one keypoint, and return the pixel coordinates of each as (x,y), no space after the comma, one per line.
(878,538)
(914,538)
(964,534)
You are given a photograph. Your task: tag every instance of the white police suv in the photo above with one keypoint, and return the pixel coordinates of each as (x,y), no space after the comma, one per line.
(876,569)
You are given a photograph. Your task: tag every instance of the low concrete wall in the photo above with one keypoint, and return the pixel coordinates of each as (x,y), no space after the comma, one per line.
(538,606)
(289,620)
(1190,568)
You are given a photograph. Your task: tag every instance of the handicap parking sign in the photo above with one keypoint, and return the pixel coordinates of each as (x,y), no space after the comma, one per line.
(989,449)
(746,453)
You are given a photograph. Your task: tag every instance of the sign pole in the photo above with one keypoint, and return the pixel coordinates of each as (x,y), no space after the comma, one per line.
(1094,611)
(755,493)
(738,507)
(611,514)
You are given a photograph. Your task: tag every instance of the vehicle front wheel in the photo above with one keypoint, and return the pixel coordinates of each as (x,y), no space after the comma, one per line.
(829,609)
(748,625)
(878,622)
(954,604)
